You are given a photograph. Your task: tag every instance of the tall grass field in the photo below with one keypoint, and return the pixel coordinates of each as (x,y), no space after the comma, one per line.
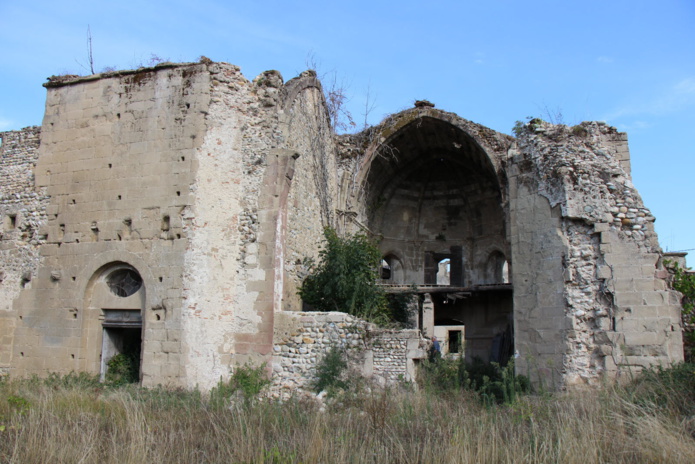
(75,419)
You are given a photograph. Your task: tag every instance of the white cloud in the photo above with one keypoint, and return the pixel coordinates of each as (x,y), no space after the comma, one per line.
(670,100)
(634,126)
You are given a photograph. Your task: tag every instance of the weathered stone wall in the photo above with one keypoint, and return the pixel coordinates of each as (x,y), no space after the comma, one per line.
(117,156)
(312,196)
(598,258)
(223,226)
(303,339)
(23,213)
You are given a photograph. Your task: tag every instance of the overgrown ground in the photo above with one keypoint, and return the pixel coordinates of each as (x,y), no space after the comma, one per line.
(75,419)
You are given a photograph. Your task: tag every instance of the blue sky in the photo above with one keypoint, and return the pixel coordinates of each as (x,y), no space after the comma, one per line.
(630,63)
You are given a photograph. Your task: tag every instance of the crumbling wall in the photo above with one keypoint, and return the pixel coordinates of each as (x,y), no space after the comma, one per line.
(312,195)
(23,215)
(616,310)
(230,264)
(303,339)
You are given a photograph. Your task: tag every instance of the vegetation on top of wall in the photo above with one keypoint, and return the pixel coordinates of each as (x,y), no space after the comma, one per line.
(345,279)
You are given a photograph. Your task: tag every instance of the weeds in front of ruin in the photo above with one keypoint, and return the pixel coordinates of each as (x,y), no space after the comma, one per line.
(67,419)
(246,384)
(490,383)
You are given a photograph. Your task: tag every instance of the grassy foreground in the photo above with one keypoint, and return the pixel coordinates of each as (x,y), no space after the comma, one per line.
(74,419)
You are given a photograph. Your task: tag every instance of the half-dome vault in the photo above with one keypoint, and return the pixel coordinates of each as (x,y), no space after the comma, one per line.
(433,199)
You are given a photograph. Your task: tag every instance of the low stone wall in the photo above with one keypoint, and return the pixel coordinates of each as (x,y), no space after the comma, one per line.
(302,339)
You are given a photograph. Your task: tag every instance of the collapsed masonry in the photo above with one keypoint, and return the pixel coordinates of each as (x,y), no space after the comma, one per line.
(171,211)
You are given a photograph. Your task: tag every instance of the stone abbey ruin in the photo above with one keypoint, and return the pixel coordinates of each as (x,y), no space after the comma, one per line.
(172,211)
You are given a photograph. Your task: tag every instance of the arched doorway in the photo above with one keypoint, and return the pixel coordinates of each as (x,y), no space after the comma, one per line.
(117,295)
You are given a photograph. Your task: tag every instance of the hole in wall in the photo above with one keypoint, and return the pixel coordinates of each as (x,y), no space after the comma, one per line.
(444,272)
(118,115)
(158,317)
(73,278)
(73,201)
(166,223)
(10,221)
(119,197)
(178,235)
(161,278)
(110,165)
(21,353)
(178,193)
(72,356)
(183,158)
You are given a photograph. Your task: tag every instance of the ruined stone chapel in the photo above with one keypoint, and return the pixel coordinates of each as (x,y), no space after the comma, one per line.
(174,210)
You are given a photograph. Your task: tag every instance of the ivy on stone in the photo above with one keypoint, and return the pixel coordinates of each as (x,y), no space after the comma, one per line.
(345,279)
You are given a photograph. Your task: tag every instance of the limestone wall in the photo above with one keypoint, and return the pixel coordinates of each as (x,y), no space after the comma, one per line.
(117,156)
(23,213)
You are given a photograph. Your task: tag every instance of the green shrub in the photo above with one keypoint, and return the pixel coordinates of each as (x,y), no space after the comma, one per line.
(123,368)
(668,388)
(247,381)
(491,382)
(579,131)
(78,380)
(684,282)
(329,372)
(346,279)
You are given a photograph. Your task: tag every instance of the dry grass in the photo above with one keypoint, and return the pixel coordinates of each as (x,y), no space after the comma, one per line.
(71,421)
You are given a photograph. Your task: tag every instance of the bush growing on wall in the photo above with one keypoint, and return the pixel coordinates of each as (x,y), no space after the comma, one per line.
(345,279)
(684,282)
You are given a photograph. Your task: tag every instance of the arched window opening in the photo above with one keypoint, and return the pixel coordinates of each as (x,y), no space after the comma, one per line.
(444,272)
(497,269)
(391,269)
(385,270)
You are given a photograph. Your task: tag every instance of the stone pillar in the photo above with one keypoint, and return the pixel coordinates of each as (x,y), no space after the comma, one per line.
(428,316)
(414,312)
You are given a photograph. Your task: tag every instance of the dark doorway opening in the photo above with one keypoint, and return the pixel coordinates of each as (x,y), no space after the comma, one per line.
(121,346)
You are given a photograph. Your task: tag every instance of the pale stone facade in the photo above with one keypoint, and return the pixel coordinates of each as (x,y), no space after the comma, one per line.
(176,210)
